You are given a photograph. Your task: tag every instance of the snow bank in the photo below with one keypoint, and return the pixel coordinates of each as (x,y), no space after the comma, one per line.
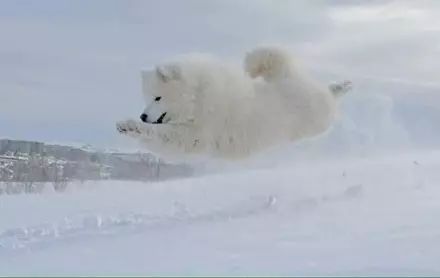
(348,217)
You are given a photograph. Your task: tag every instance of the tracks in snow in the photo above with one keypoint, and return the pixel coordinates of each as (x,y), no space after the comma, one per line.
(84,226)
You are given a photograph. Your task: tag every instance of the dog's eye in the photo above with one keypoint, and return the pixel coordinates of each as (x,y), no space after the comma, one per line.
(157,98)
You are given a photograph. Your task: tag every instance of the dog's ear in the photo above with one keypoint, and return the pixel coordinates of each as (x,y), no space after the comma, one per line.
(169,72)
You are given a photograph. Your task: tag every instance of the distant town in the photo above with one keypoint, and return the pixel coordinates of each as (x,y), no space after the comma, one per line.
(24,165)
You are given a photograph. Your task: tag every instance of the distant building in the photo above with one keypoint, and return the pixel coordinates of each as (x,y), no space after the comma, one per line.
(16,146)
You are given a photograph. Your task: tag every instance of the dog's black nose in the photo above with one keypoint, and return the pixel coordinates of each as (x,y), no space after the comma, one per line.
(144,117)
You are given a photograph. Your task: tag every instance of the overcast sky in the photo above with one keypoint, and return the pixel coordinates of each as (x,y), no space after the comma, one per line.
(70,69)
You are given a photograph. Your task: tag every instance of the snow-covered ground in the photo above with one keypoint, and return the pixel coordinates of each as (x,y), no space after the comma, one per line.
(377,215)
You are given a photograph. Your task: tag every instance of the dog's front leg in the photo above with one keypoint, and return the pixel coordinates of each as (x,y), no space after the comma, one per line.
(134,129)
(156,136)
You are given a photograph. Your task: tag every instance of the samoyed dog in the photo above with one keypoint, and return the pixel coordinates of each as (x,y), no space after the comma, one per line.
(199,105)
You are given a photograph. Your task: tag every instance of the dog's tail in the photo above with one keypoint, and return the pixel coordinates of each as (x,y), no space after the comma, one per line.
(340,89)
(269,62)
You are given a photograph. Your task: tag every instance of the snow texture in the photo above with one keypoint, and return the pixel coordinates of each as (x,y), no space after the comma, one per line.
(377,215)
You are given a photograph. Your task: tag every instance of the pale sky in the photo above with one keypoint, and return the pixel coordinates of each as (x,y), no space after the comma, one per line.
(70,69)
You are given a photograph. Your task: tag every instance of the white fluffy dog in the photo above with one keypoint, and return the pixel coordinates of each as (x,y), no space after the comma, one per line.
(200,105)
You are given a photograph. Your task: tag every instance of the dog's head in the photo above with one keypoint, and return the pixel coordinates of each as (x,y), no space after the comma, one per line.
(169,96)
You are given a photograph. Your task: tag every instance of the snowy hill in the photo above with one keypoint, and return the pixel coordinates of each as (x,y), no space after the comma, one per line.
(30,162)
(342,217)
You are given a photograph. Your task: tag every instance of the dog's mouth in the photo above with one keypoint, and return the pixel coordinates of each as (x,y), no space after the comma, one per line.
(160,120)
(163,119)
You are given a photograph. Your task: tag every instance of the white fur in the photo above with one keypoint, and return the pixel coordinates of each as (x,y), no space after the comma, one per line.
(217,109)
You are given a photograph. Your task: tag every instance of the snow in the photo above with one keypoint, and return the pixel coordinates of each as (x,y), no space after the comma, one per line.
(354,216)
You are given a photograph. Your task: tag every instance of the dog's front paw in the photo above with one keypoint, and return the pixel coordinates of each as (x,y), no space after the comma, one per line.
(135,129)
(128,127)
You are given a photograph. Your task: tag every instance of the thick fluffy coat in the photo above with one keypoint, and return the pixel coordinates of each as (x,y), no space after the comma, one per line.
(197,104)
